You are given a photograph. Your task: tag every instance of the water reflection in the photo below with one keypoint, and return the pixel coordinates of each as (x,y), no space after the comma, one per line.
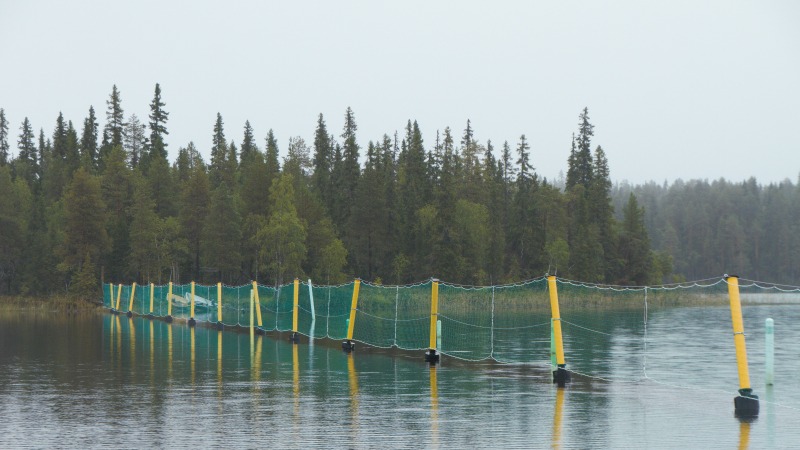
(744,435)
(434,407)
(557,414)
(102,381)
(352,378)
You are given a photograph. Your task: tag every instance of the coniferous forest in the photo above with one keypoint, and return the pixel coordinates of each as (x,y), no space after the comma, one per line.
(80,204)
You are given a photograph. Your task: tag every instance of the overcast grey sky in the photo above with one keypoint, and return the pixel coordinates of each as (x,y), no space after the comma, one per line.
(675,89)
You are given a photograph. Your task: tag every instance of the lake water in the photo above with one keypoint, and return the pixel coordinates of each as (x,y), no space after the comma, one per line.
(98,380)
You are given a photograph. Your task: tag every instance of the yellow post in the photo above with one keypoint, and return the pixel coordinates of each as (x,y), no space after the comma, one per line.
(746,404)
(353,306)
(296,304)
(252,327)
(431,356)
(219,302)
(133,294)
(152,292)
(111,295)
(119,294)
(560,376)
(169,300)
(191,310)
(258,304)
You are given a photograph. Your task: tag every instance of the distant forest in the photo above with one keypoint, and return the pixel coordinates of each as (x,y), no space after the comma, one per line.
(83,204)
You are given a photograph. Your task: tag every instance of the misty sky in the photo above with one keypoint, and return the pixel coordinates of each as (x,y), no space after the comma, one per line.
(677,89)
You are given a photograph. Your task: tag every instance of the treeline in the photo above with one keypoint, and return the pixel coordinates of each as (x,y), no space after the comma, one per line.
(81,204)
(721,227)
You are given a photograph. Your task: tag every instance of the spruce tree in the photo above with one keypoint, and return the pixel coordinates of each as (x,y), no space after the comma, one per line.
(27,164)
(158,125)
(85,235)
(249,146)
(222,238)
(117,189)
(115,120)
(351,169)
(193,214)
(219,153)
(134,143)
(89,151)
(271,158)
(4,156)
(323,156)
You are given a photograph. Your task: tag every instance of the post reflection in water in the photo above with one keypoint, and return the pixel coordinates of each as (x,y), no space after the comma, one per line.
(434,407)
(352,378)
(744,434)
(152,354)
(118,350)
(255,360)
(169,351)
(296,384)
(557,414)
(219,363)
(192,354)
(111,340)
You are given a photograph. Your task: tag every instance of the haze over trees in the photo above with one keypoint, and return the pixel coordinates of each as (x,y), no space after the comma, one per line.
(81,205)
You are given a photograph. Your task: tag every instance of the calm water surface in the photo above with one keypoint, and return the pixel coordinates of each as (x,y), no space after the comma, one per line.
(98,380)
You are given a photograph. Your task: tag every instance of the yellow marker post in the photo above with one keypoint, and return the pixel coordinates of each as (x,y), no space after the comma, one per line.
(169,303)
(252,327)
(152,294)
(295,309)
(219,303)
(296,304)
(258,304)
(431,356)
(119,295)
(560,376)
(111,295)
(191,310)
(746,403)
(133,295)
(348,345)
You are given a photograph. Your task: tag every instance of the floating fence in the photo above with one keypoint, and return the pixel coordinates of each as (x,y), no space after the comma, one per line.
(587,329)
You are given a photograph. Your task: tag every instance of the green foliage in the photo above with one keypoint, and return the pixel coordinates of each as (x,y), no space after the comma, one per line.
(222,234)
(85,235)
(282,238)
(461,211)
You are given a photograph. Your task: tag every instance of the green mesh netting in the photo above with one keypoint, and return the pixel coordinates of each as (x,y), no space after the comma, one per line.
(608,332)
